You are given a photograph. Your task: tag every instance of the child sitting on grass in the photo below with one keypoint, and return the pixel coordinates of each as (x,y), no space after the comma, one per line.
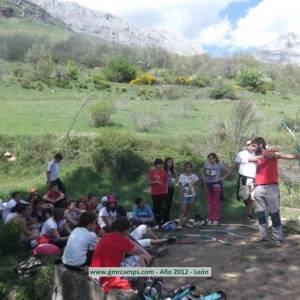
(81,243)
(54,196)
(142,213)
(56,228)
(18,217)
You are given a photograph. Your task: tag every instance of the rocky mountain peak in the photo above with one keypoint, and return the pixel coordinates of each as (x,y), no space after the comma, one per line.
(115,29)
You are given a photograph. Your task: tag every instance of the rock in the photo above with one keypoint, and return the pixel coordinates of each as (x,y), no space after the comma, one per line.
(284,50)
(115,29)
(74,285)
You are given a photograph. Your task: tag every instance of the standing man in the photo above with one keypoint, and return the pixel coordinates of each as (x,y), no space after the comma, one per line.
(245,184)
(53,175)
(266,191)
(159,191)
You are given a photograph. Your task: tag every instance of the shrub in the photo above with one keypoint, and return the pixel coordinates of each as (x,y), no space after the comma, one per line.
(100,83)
(162,75)
(254,80)
(184,80)
(146,122)
(144,78)
(200,82)
(101,113)
(118,154)
(222,91)
(73,71)
(120,69)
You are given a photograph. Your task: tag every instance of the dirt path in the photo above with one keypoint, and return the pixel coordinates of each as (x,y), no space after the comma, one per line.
(245,270)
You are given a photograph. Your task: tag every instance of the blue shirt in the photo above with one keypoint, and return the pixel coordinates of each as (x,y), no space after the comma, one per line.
(145,212)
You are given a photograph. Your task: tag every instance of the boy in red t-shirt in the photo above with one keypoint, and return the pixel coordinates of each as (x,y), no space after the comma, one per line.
(159,191)
(266,192)
(112,249)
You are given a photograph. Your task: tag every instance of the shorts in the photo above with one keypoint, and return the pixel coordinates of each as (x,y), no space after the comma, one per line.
(246,189)
(138,235)
(188,200)
(132,261)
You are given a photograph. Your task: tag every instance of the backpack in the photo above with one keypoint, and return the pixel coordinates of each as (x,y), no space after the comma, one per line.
(155,289)
(169,226)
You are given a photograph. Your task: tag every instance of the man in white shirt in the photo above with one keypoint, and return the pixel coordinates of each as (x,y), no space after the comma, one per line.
(247,172)
(81,243)
(53,175)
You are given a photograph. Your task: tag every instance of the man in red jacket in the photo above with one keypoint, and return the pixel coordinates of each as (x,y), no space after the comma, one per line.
(266,193)
(159,191)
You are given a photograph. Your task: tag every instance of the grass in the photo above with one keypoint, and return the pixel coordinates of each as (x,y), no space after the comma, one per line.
(55,33)
(31,112)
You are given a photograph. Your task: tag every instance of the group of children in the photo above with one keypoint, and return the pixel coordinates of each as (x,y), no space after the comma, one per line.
(163,180)
(100,233)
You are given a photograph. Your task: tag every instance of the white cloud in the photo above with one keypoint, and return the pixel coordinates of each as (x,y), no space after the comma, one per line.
(261,26)
(217,35)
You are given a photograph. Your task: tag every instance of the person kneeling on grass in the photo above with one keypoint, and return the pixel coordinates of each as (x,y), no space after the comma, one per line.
(56,228)
(142,213)
(81,243)
(115,249)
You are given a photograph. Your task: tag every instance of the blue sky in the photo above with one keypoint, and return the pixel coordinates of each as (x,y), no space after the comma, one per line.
(220,27)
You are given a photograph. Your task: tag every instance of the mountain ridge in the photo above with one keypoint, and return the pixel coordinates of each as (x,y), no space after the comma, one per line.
(115,29)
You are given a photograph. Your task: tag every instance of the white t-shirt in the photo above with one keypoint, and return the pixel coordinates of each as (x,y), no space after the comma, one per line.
(187,182)
(10,217)
(53,167)
(246,168)
(50,224)
(8,206)
(98,208)
(80,241)
(104,213)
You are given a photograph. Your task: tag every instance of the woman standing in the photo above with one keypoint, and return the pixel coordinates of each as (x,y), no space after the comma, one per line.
(187,182)
(213,178)
(171,179)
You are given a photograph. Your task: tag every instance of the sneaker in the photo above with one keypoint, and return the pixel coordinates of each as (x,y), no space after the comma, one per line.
(215,223)
(189,225)
(278,243)
(179,227)
(156,227)
(262,240)
(172,240)
(209,222)
(250,219)
(200,223)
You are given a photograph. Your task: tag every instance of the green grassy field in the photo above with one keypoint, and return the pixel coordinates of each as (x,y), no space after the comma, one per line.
(31,112)
(42,30)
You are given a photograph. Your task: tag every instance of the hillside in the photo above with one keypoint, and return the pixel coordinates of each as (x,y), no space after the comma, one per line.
(284,50)
(115,29)
(26,10)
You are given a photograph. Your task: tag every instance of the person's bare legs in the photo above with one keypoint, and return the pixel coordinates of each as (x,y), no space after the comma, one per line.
(188,212)
(182,214)
(150,234)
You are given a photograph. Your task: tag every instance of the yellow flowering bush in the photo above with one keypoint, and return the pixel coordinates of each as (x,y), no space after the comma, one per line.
(144,78)
(184,80)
